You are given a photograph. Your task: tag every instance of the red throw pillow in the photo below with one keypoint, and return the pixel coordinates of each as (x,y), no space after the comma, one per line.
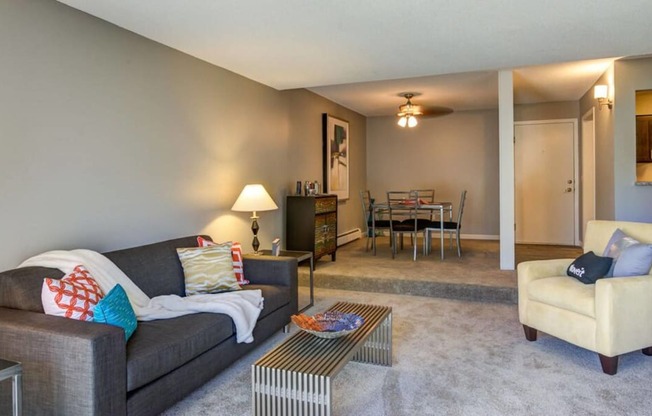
(73,296)
(236,254)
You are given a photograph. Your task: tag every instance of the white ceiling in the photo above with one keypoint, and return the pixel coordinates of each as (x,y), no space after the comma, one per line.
(363,53)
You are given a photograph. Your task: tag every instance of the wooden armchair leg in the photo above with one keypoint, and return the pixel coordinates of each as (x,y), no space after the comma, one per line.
(609,364)
(647,351)
(530,333)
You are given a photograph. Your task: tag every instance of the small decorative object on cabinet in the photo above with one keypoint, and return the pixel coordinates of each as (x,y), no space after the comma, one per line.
(311,224)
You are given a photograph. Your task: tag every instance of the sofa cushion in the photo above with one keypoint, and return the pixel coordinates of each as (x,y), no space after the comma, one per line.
(564,292)
(158,347)
(154,268)
(275,297)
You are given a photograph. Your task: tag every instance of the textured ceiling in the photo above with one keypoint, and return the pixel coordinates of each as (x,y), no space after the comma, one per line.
(305,44)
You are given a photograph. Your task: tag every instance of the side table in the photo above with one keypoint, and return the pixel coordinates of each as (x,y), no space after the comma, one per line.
(301,256)
(15,371)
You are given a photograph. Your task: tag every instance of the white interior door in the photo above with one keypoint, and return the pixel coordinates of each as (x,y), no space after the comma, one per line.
(544,173)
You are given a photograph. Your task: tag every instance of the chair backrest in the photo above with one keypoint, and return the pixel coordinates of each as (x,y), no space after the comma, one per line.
(460,211)
(426,195)
(402,205)
(598,233)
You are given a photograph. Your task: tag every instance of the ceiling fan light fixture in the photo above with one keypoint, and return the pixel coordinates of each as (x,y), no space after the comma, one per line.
(407,113)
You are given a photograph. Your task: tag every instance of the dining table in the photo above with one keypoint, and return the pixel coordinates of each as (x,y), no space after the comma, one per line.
(440,207)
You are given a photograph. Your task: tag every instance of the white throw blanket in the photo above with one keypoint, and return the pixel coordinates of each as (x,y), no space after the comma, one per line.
(242,306)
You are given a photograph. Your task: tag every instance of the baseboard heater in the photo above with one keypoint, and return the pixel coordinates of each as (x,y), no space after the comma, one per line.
(349,236)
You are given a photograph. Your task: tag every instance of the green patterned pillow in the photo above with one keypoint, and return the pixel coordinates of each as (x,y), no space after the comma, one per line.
(208,269)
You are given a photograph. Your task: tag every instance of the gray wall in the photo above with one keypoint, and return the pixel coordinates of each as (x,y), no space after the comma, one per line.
(306,152)
(450,153)
(110,140)
(547,111)
(632,203)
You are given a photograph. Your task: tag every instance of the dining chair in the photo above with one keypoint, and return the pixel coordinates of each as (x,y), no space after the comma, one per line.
(425,196)
(403,218)
(449,227)
(372,220)
(365,198)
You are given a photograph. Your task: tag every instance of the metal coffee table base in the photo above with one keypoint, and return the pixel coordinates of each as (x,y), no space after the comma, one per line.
(295,377)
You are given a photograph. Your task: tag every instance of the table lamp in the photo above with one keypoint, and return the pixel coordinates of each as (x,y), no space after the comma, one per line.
(254,198)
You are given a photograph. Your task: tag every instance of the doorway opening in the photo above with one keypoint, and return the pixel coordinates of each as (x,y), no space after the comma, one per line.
(545,176)
(587,170)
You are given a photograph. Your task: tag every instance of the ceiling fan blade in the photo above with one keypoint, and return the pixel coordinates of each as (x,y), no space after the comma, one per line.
(435,111)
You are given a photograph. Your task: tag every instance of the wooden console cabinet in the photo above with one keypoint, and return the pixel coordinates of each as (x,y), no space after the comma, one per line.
(311,224)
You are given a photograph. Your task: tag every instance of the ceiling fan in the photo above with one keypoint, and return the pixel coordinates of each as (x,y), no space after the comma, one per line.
(407,112)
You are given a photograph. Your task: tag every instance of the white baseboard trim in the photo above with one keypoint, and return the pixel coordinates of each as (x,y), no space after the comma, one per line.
(348,236)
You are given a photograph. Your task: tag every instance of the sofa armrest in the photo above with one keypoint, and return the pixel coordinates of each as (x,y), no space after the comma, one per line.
(623,307)
(529,271)
(538,269)
(274,270)
(271,270)
(70,367)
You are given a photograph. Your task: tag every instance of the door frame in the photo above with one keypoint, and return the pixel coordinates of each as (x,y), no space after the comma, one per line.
(588,118)
(576,212)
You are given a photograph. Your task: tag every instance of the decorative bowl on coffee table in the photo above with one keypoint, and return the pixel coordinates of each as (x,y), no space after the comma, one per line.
(330,324)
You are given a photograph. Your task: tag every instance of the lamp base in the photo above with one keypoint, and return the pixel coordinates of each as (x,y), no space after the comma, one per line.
(254,229)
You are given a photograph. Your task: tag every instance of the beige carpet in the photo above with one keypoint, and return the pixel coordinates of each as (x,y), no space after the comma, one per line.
(454,358)
(474,276)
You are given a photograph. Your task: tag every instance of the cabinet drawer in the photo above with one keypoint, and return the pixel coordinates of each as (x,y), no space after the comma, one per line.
(325,234)
(325,205)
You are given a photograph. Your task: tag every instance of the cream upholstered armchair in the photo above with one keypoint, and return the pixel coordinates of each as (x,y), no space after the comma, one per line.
(611,317)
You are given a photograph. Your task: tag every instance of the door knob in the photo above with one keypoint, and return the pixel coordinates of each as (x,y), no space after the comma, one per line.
(569,181)
(567,190)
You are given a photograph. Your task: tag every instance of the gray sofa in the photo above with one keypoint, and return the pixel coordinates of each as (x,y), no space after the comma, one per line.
(81,368)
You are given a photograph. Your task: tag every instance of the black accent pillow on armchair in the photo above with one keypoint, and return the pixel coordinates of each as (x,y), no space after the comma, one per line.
(588,267)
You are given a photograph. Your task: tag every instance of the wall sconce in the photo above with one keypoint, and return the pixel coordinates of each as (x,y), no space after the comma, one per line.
(601,93)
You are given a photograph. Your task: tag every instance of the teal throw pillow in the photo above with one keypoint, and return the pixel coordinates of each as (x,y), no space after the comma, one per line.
(115,309)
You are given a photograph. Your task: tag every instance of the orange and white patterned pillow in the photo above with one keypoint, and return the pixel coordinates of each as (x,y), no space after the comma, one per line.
(73,296)
(236,253)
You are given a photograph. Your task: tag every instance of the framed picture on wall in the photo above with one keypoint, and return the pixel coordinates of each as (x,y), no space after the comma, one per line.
(336,156)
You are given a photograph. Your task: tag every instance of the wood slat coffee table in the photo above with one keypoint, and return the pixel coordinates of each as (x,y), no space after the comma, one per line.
(295,377)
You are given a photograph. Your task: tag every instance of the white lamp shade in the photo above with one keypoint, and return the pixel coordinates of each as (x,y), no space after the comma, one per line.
(254,198)
(402,121)
(412,121)
(600,91)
